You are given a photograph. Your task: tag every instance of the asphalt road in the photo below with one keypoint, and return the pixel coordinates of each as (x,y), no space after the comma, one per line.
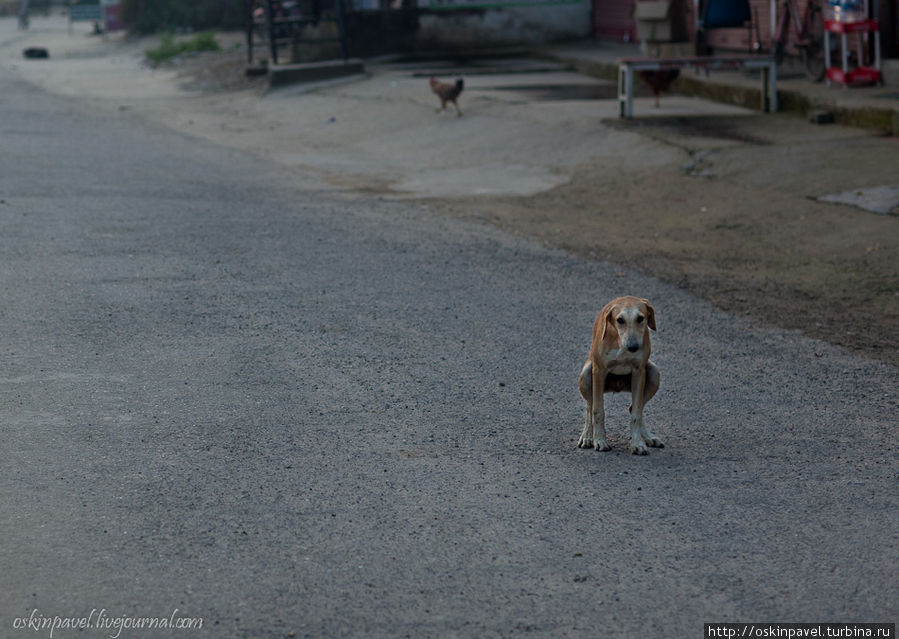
(291,412)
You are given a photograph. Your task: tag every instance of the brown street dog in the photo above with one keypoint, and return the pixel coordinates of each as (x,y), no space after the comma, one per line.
(619,362)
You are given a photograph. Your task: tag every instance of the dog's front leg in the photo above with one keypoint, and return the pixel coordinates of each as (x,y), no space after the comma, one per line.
(586,440)
(638,382)
(649,390)
(585,386)
(598,413)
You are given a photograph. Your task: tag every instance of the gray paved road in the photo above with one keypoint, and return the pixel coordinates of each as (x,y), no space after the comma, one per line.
(289,411)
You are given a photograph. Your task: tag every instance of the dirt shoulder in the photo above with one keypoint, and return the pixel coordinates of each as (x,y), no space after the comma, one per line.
(739,225)
(723,206)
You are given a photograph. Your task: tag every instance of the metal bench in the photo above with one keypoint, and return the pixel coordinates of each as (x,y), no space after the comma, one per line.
(627,66)
(85,13)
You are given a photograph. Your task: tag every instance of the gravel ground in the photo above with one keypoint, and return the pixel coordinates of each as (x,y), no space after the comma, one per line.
(292,410)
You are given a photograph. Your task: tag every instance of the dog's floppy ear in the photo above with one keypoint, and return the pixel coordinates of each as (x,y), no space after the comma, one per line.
(650,315)
(605,319)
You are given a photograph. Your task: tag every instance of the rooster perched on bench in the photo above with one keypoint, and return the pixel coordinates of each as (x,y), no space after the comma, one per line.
(659,81)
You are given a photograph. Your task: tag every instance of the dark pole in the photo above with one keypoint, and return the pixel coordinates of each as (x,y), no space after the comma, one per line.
(341,27)
(269,18)
(250,27)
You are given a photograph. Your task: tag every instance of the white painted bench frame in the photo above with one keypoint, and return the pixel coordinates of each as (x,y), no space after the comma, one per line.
(627,66)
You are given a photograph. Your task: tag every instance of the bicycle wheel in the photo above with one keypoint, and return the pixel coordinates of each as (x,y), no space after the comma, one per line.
(813,47)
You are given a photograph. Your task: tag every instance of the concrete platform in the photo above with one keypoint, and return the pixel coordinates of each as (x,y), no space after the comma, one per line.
(871,107)
(284,74)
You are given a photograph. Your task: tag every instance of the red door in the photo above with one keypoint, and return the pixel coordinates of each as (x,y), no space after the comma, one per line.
(614,20)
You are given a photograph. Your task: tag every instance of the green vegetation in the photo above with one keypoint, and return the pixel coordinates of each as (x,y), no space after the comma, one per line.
(168,48)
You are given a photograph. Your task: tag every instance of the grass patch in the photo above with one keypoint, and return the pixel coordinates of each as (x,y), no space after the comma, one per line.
(168,48)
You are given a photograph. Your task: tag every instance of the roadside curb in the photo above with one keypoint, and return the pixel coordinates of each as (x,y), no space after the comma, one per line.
(284,74)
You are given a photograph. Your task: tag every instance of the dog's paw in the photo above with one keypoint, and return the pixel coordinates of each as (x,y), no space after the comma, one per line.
(653,441)
(602,445)
(639,448)
(585,442)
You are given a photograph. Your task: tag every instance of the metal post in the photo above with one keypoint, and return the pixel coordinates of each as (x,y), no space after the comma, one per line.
(861,41)
(341,27)
(270,25)
(23,15)
(625,91)
(772,19)
(844,43)
(630,91)
(248,15)
(773,106)
(877,54)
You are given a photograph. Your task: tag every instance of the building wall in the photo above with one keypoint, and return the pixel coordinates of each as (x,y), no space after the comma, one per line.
(613,20)
(511,25)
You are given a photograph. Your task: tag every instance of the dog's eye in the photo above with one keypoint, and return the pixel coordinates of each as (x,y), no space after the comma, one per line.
(620,320)
(639,318)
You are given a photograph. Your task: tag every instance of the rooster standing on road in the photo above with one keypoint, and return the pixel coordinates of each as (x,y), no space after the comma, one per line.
(447,93)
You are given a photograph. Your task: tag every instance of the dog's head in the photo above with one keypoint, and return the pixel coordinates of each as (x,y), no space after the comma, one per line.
(628,320)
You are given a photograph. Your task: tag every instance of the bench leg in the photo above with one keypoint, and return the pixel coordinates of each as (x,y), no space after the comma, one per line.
(625,91)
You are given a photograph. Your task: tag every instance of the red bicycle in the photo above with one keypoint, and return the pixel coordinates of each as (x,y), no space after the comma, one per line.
(808,37)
